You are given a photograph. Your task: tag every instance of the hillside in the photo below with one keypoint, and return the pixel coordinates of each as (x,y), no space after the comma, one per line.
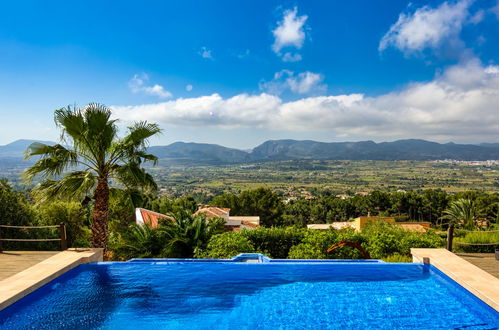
(16,149)
(212,154)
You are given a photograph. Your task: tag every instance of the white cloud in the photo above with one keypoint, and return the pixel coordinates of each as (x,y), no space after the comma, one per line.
(289,33)
(301,83)
(461,103)
(244,54)
(137,85)
(477,17)
(305,82)
(188,87)
(205,53)
(428,28)
(290,57)
(495,9)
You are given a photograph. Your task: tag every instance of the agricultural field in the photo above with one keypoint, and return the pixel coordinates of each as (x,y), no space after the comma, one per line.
(335,177)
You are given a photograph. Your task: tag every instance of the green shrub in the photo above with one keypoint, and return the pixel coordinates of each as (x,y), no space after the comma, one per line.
(275,242)
(140,242)
(477,238)
(226,245)
(316,242)
(384,239)
(306,251)
(72,214)
(398,258)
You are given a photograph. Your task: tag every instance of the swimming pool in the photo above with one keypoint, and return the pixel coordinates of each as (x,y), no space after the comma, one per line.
(143,294)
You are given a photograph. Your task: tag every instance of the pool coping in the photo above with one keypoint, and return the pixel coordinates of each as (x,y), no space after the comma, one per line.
(23,283)
(474,279)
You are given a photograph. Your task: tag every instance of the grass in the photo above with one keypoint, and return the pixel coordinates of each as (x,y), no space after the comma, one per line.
(478,238)
(335,176)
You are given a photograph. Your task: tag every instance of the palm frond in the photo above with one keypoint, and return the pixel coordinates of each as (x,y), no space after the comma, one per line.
(132,175)
(100,129)
(139,133)
(53,162)
(74,184)
(133,146)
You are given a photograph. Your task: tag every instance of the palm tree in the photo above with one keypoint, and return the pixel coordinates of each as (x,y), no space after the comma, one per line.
(460,212)
(180,236)
(190,233)
(90,156)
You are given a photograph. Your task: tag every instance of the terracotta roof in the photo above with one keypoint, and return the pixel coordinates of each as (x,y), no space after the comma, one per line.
(213,211)
(413,227)
(144,216)
(249,224)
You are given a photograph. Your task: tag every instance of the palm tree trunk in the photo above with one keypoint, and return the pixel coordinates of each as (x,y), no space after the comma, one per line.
(100,214)
(450,236)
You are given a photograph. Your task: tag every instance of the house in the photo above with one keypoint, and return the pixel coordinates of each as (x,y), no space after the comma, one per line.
(144,216)
(213,211)
(359,223)
(334,225)
(232,223)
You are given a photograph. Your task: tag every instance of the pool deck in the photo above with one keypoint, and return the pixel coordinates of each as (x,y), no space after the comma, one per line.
(14,262)
(476,280)
(485,261)
(31,275)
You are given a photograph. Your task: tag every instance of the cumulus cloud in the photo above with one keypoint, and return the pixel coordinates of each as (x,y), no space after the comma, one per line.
(205,53)
(495,10)
(460,103)
(289,33)
(429,28)
(291,57)
(138,85)
(301,83)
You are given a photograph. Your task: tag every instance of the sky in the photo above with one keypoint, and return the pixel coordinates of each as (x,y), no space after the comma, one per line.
(237,73)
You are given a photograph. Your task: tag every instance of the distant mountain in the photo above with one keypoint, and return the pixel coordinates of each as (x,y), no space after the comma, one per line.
(212,154)
(489,145)
(199,153)
(17,148)
(368,150)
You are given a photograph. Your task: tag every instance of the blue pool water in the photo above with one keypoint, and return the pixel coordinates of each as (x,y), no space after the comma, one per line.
(224,295)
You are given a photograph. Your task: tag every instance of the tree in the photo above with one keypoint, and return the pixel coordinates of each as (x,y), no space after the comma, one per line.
(15,210)
(182,237)
(94,155)
(190,234)
(72,215)
(460,212)
(260,202)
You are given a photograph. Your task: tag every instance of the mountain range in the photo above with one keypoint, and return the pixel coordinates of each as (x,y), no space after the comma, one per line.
(212,154)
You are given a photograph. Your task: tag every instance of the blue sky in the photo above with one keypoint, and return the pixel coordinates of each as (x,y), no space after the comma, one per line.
(239,72)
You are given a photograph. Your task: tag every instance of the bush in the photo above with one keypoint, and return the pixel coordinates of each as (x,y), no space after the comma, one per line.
(384,239)
(72,214)
(140,242)
(226,245)
(478,238)
(398,258)
(275,242)
(316,243)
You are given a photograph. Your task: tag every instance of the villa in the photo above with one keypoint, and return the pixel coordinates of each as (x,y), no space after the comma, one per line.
(359,223)
(232,223)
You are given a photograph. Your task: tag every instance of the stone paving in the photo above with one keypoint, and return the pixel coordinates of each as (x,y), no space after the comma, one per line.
(485,261)
(28,280)
(13,262)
